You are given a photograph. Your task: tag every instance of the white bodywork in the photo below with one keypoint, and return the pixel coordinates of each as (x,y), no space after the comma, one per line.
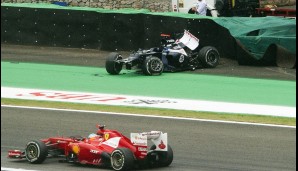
(189,40)
(159,138)
(184,5)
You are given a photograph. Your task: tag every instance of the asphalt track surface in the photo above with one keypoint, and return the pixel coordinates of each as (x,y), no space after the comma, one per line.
(197,145)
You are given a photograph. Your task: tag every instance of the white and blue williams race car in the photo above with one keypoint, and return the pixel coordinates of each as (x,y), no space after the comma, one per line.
(174,54)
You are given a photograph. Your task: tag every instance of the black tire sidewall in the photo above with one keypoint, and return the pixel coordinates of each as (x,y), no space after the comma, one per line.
(111,65)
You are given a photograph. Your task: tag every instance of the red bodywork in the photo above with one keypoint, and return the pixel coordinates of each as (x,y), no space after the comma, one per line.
(88,150)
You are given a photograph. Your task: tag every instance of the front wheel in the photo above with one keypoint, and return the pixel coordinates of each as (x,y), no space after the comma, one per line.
(152,66)
(122,159)
(113,66)
(209,56)
(36,152)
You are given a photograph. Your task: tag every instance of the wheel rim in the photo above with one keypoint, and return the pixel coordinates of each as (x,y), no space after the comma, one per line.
(117,65)
(156,65)
(117,160)
(212,57)
(32,152)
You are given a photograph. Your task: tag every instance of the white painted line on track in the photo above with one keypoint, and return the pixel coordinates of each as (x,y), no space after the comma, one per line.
(151,116)
(150,102)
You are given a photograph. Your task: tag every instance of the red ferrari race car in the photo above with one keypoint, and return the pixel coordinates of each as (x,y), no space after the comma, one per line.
(106,147)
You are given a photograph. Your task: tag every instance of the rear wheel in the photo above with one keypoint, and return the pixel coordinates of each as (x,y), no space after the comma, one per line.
(152,66)
(122,159)
(36,151)
(112,65)
(209,56)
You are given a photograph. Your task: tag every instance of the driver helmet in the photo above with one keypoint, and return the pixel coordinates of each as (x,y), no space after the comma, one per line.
(92,136)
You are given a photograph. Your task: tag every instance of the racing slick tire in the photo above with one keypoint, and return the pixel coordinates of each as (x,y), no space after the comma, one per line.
(112,66)
(122,159)
(153,66)
(165,158)
(209,56)
(36,151)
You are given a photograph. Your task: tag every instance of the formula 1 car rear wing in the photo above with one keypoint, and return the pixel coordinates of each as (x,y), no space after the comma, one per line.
(189,40)
(159,139)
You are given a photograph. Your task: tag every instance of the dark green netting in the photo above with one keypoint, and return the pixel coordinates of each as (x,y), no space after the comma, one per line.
(258,33)
(265,38)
